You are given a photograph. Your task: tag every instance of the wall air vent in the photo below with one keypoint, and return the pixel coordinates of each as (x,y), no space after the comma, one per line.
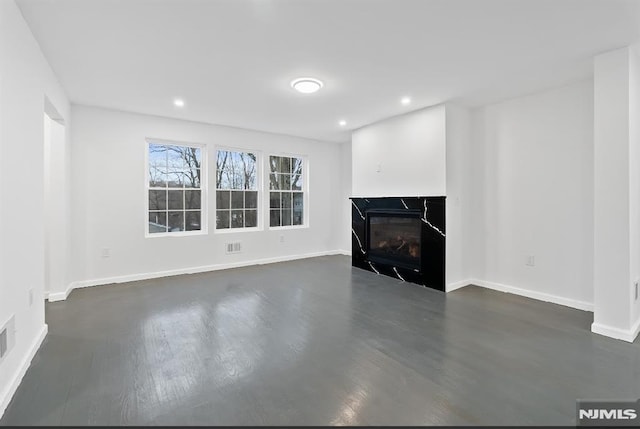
(4,345)
(235,247)
(7,337)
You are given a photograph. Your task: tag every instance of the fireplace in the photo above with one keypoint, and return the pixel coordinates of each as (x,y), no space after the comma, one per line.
(402,237)
(393,237)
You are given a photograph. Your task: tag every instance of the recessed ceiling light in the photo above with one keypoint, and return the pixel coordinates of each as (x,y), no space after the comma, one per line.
(306,85)
(405,100)
(178,102)
(342,123)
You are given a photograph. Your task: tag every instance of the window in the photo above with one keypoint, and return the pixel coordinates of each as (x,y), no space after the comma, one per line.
(174,187)
(236,190)
(286,196)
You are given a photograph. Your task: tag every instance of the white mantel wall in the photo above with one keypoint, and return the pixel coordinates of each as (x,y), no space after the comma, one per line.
(401,156)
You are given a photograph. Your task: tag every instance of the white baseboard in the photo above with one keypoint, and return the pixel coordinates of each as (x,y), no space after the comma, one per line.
(635,330)
(540,296)
(457,285)
(10,390)
(344,252)
(61,296)
(617,333)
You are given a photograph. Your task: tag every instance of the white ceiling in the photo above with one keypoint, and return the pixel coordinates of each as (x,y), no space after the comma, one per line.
(232,60)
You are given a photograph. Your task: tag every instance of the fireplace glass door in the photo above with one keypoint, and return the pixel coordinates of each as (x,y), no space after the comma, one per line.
(394,239)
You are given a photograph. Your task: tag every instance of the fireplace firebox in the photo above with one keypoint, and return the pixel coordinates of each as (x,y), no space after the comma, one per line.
(400,237)
(394,237)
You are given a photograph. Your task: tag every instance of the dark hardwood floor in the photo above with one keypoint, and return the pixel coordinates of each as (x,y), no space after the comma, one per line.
(315,342)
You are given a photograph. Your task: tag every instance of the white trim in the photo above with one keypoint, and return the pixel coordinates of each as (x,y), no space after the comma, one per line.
(635,330)
(61,296)
(7,394)
(628,335)
(368,196)
(177,233)
(457,285)
(567,302)
(344,252)
(285,227)
(239,230)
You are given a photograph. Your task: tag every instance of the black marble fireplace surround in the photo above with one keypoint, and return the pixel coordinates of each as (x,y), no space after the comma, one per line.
(401,237)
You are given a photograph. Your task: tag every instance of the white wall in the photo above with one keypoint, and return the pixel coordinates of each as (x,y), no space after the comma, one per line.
(634,180)
(47,201)
(532,176)
(458,147)
(25,80)
(344,230)
(401,156)
(56,169)
(108,208)
(617,187)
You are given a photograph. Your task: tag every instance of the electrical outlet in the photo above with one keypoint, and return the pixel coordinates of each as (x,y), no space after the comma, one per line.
(282,239)
(106,252)
(30,297)
(531,261)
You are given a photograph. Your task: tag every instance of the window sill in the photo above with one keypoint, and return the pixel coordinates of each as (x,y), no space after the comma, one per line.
(281,228)
(176,234)
(236,230)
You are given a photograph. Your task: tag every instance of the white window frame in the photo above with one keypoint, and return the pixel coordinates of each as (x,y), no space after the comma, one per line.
(305,191)
(204,217)
(259,190)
